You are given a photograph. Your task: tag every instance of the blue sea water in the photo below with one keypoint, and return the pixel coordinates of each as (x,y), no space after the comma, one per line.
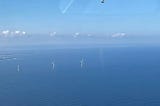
(110,76)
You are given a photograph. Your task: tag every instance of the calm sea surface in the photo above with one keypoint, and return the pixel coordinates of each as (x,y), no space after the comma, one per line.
(112,76)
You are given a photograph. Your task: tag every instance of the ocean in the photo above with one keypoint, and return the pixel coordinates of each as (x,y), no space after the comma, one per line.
(101,76)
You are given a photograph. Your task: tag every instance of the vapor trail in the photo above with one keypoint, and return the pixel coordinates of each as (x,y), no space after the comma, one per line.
(68,6)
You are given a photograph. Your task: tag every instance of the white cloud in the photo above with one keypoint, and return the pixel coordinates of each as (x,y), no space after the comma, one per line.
(17,32)
(23,33)
(89,35)
(76,34)
(53,34)
(119,35)
(8,33)
(5,32)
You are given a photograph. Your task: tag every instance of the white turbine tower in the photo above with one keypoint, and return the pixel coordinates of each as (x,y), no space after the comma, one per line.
(82,63)
(18,68)
(53,65)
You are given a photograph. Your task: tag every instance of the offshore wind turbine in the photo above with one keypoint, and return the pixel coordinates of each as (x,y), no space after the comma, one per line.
(53,65)
(82,63)
(101,58)
(18,68)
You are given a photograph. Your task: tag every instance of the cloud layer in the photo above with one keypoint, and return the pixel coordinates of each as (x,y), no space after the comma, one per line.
(119,35)
(8,33)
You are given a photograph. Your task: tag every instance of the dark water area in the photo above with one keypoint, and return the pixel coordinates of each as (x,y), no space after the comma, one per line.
(111,76)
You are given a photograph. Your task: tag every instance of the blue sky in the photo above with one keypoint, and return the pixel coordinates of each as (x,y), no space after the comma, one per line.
(135,17)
